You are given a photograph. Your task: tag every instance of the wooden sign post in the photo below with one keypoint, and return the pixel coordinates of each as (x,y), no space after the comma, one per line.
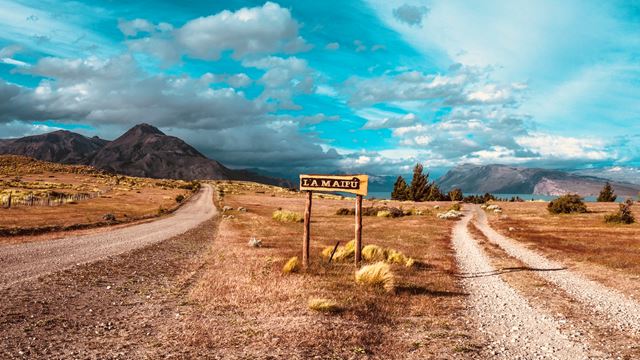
(355,184)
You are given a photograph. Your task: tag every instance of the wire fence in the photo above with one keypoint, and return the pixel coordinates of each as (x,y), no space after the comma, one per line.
(49,200)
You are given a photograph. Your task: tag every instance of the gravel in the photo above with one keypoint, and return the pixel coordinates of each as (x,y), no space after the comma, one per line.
(515,329)
(28,261)
(623,311)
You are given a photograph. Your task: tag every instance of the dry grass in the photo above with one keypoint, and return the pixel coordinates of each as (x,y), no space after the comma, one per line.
(249,310)
(374,253)
(291,266)
(579,238)
(323,305)
(286,216)
(128,198)
(377,275)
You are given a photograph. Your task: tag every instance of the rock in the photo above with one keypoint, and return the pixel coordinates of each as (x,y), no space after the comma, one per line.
(227,208)
(109,217)
(436,206)
(512,229)
(241,209)
(256,243)
(497,211)
(451,214)
(493,207)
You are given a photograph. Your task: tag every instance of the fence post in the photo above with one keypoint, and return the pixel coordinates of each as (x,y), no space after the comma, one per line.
(358,249)
(306,236)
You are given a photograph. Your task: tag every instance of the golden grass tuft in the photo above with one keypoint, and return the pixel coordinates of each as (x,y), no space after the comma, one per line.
(292,266)
(383,213)
(410,262)
(326,252)
(373,253)
(286,216)
(376,275)
(396,257)
(323,305)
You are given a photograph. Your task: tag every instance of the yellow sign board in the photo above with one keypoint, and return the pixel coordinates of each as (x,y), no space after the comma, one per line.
(356,184)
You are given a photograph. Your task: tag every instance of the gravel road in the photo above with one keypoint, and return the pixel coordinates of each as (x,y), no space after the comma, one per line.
(622,311)
(515,330)
(27,261)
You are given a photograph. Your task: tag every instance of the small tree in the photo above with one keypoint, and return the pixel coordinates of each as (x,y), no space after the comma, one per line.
(607,194)
(456,195)
(567,204)
(434,193)
(400,190)
(419,184)
(623,216)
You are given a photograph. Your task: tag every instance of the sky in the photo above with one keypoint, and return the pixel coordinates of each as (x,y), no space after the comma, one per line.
(334,86)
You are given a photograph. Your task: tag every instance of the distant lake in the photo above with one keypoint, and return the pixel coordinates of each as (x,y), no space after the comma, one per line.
(527,197)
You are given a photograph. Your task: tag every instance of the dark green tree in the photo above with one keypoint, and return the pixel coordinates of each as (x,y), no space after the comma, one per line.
(434,193)
(456,194)
(607,194)
(419,184)
(400,190)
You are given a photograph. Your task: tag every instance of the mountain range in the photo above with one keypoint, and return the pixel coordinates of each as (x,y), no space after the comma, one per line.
(142,151)
(503,179)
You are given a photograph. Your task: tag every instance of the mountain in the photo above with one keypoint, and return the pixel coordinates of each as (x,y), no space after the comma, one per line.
(502,179)
(142,151)
(615,173)
(59,146)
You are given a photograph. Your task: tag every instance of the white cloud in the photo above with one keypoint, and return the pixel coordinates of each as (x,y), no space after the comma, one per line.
(564,147)
(258,30)
(332,46)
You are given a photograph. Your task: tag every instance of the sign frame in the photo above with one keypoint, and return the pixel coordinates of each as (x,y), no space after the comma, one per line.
(356,184)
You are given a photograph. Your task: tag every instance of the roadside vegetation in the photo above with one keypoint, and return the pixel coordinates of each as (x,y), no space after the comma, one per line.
(567,204)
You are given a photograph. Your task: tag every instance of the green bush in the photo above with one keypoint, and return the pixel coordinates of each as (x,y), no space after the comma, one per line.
(623,216)
(179,198)
(567,204)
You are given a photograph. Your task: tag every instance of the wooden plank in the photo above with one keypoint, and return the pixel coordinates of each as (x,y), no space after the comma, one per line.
(306,236)
(358,230)
(355,184)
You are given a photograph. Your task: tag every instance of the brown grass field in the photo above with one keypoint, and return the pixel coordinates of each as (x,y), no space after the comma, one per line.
(127,198)
(250,308)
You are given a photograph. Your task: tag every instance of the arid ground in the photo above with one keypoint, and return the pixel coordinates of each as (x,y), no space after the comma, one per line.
(519,284)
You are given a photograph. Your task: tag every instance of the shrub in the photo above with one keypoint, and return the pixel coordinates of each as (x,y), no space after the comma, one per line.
(383,213)
(323,305)
(345,252)
(345,211)
(373,253)
(607,194)
(287,216)
(396,257)
(376,275)
(291,266)
(567,204)
(455,207)
(179,198)
(623,216)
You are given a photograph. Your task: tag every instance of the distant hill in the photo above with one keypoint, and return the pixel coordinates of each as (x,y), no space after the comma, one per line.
(59,146)
(142,151)
(502,179)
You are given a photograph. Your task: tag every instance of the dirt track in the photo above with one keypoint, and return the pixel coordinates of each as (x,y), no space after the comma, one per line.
(28,261)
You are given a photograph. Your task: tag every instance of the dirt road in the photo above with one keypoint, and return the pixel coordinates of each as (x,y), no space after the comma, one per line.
(519,326)
(28,261)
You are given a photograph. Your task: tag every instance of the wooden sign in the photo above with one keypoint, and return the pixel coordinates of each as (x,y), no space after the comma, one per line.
(355,184)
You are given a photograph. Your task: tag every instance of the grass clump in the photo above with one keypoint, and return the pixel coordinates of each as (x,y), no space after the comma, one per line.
(567,204)
(286,216)
(323,305)
(376,275)
(345,252)
(383,213)
(623,216)
(291,266)
(374,253)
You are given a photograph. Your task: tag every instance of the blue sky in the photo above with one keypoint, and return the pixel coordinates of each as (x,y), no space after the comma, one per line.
(373,86)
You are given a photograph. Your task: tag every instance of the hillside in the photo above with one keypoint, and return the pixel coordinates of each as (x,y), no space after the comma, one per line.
(142,151)
(502,179)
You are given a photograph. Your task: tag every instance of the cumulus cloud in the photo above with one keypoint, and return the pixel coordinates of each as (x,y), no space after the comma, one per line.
(283,78)
(564,147)
(410,14)
(387,120)
(6,55)
(259,30)
(118,91)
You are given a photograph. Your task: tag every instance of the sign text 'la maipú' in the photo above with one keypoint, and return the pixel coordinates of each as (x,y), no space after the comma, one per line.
(356,184)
